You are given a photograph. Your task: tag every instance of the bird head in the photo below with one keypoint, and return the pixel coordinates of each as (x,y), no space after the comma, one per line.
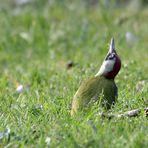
(111,64)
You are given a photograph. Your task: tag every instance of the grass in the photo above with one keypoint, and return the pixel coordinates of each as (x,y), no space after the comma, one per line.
(37,41)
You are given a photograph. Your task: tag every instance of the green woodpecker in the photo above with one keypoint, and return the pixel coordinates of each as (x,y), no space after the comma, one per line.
(102,86)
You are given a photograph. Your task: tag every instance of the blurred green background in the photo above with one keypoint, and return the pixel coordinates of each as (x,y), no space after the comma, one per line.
(47,47)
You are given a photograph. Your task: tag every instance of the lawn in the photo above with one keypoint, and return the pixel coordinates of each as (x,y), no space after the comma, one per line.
(38,40)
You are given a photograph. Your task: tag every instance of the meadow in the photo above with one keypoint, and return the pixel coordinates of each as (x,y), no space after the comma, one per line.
(49,48)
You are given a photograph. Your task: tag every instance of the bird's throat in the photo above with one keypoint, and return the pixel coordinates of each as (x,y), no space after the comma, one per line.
(106,67)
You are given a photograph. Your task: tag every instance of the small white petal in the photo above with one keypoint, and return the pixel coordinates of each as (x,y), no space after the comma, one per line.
(48,140)
(19,89)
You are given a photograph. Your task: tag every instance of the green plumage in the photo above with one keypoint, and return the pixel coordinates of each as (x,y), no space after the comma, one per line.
(93,89)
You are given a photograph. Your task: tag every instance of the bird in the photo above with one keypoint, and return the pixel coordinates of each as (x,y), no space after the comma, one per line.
(101,87)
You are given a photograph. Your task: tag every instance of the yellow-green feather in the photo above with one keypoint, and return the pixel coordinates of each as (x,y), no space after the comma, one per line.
(92,89)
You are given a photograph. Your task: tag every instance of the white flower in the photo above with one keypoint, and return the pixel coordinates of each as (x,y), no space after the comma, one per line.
(48,140)
(20,88)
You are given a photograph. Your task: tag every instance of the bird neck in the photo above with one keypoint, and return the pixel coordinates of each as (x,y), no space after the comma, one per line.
(110,68)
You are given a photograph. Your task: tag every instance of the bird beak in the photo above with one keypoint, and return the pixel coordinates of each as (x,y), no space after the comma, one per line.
(112,46)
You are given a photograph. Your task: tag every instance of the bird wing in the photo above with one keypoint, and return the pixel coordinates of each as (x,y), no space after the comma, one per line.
(110,93)
(87,90)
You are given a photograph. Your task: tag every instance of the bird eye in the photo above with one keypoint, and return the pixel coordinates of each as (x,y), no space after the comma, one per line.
(111,56)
